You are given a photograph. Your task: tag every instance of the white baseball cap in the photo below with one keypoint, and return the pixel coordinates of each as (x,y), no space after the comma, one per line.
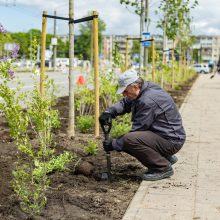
(125,79)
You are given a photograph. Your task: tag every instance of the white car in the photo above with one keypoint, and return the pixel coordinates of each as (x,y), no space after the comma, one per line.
(201,68)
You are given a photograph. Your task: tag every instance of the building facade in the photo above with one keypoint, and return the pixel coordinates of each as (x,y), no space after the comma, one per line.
(110,41)
(208,48)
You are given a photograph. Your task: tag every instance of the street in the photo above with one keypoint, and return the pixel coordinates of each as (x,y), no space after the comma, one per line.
(60,80)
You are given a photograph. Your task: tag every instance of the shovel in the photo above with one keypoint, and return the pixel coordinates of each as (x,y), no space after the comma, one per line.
(106,130)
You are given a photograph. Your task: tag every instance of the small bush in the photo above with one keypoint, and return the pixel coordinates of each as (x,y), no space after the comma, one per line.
(121,126)
(84,123)
(58,163)
(91,148)
(177,87)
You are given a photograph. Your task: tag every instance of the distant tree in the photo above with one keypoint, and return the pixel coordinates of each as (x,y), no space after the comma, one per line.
(135,49)
(4,38)
(62,48)
(24,39)
(83,42)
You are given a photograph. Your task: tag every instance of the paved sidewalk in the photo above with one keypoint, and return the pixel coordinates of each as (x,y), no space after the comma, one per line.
(193,192)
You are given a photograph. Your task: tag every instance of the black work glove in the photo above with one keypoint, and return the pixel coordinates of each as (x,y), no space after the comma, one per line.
(105,118)
(107,145)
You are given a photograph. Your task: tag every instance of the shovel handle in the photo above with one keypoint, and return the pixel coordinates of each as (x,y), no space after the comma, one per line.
(108,159)
(106,128)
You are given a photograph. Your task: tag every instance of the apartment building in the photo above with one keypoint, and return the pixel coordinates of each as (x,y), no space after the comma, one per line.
(107,47)
(120,40)
(208,47)
(111,40)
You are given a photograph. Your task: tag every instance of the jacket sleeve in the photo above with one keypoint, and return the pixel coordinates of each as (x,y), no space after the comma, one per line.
(120,108)
(144,117)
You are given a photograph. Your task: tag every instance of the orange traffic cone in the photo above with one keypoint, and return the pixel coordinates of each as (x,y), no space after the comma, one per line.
(81,80)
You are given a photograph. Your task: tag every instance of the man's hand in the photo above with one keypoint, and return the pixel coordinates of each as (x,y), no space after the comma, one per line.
(105,118)
(107,145)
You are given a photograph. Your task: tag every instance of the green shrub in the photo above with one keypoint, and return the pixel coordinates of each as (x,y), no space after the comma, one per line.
(108,88)
(121,125)
(58,163)
(35,159)
(177,87)
(91,148)
(85,122)
(84,100)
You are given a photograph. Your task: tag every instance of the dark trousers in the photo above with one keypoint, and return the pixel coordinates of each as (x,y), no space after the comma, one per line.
(150,149)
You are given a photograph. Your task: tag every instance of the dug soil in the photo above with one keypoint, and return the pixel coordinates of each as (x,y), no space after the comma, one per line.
(81,192)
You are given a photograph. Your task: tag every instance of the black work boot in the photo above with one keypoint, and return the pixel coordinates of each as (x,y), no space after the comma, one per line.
(172,158)
(158,175)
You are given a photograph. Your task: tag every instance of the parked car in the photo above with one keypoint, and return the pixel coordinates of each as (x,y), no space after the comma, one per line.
(201,68)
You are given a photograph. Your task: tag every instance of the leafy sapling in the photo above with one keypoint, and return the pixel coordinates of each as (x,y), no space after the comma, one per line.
(85,123)
(121,126)
(91,148)
(35,159)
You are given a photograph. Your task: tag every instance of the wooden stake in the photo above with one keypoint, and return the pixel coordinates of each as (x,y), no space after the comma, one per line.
(96,71)
(43,47)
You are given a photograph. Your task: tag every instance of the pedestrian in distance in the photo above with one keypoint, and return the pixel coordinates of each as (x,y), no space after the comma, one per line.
(157,132)
(218,65)
(217,69)
(211,66)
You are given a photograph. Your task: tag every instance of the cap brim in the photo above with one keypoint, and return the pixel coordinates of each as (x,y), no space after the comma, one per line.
(121,90)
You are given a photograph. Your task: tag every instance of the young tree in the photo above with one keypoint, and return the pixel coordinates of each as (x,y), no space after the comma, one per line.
(176,13)
(134,3)
(139,7)
(175,19)
(35,159)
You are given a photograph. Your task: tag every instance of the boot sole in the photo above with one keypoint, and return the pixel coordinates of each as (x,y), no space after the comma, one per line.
(163,176)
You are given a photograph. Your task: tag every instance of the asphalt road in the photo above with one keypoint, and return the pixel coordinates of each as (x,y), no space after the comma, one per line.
(60,80)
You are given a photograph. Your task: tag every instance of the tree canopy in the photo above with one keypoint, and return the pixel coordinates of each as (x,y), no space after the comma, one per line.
(176,16)
(24,39)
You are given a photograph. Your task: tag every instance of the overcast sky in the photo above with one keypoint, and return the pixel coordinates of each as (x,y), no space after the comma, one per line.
(22,15)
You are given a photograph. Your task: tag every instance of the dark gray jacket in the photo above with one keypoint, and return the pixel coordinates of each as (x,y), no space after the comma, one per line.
(153,110)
